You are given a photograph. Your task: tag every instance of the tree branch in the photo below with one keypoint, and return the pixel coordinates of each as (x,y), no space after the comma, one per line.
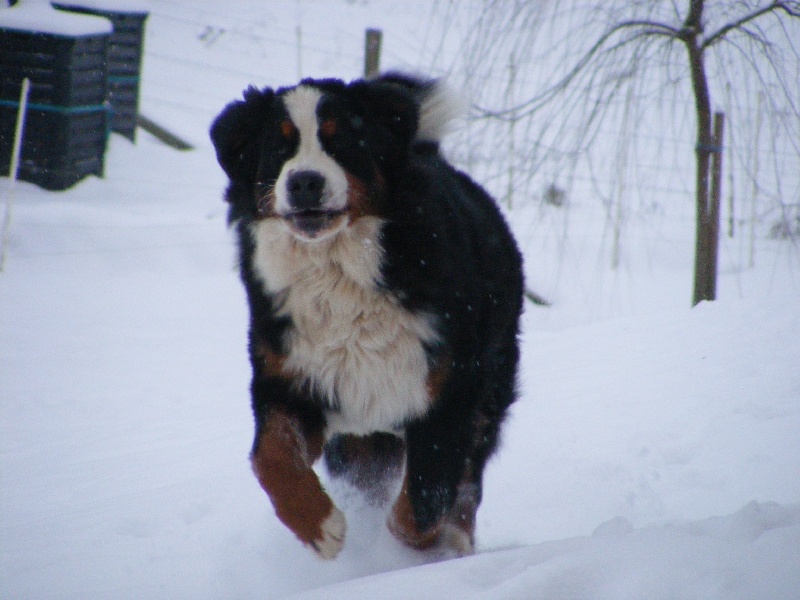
(651,28)
(723,31)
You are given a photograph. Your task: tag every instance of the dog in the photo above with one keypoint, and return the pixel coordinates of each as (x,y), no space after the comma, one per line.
(385,291)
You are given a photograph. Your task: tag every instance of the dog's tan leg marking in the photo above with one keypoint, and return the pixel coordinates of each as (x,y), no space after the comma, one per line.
(403,525)
(456,531)
(282,463)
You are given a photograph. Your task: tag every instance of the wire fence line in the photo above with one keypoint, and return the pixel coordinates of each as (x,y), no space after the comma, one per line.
(624,138)
(502,54)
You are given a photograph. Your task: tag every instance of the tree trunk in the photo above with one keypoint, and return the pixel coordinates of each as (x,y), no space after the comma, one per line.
(704,270)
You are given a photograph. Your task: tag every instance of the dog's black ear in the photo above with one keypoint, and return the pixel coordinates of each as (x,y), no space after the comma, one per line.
(236,133)
(391,104)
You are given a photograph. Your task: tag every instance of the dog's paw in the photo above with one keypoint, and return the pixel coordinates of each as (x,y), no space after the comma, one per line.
(333,529)
(454,539)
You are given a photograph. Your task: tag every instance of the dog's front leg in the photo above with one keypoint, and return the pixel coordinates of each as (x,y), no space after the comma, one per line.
(283,454)
(428,510)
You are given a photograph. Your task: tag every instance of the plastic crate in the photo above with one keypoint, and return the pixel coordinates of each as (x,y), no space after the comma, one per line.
(124,61)
(67,122)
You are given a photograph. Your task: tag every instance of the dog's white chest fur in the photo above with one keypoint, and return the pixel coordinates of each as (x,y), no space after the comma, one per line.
(350,340)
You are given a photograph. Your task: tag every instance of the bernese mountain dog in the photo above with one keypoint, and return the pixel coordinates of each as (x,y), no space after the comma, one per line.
(385,291)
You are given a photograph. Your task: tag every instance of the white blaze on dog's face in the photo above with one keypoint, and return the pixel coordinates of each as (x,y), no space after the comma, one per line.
(311,192)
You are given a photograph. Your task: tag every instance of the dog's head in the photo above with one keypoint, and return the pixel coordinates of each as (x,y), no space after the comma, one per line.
(319,155)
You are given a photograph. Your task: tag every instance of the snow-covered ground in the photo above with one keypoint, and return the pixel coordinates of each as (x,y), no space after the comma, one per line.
(654,453)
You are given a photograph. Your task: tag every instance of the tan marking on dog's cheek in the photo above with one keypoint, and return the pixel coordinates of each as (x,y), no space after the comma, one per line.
(361,200)
(282,463)
(358,202)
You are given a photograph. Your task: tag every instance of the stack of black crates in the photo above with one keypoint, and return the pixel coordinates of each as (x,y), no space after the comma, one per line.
(82,87)
(124,61)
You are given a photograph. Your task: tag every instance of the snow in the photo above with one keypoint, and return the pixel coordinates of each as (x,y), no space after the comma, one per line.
(654,453)
(109,6)
(741,556)
(38,16)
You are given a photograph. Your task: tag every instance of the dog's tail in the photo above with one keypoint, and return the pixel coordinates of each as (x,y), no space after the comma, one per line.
(438,105)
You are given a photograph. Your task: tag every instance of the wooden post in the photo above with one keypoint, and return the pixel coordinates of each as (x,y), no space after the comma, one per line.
(372,52)
(299,35)
(716,197)
(12,172)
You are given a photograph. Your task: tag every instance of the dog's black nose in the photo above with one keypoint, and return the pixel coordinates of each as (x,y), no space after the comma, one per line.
(305,190)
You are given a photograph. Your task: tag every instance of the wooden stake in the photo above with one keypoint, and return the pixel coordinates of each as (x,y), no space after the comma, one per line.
(372,52)
(716,197)
(12,173)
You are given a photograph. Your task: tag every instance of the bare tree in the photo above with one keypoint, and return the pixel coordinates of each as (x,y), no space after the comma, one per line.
(654,46)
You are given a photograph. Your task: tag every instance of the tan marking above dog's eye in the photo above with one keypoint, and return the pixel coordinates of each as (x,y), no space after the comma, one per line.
(288,129)
(328,128)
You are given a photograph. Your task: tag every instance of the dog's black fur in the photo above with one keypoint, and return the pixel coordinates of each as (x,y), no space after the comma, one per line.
(446,255)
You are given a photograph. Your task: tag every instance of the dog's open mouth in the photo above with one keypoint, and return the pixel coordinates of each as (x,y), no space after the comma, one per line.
(313,222)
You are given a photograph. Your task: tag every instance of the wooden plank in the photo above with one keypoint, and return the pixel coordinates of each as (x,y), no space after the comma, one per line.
(170,139)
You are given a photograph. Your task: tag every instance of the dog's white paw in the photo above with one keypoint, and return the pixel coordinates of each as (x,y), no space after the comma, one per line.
(456,540)
(333,532)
